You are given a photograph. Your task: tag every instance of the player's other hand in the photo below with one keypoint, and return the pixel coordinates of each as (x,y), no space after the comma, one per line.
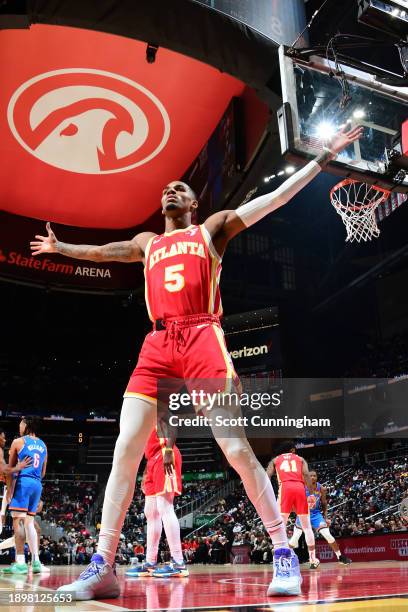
(168,461)
(26,462)
(311,500)
(344,138)
(44,244)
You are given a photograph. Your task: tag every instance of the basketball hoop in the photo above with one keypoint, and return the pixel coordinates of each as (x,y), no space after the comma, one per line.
(356,203)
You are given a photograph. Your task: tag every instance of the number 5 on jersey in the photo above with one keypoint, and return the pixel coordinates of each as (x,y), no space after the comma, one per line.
(173,279)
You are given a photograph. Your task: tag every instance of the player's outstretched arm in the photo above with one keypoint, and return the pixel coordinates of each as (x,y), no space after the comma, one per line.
(124,251)
(225,224)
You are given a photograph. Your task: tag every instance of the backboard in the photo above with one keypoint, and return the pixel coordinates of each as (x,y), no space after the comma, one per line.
(316,105)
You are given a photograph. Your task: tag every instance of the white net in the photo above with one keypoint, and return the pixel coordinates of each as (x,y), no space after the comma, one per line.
(356,203)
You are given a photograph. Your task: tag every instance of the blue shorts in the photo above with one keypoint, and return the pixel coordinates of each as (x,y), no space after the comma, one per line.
(316,519)
(26,495)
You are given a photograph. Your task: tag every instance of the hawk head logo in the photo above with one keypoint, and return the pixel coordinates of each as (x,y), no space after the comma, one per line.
(88,121)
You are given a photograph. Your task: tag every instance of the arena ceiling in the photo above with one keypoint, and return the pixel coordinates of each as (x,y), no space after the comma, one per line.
(90,132)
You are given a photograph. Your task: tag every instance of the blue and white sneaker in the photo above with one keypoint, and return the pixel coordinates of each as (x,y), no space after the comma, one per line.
(286,573)
(98,581)
(172,569)
(141,571)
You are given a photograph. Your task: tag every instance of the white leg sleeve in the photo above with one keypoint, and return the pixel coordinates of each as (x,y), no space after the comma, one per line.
(171,525)
(327,535)
(31,535)
(257,486)
(9,543)
(154,528)
(294,540)
(136,423)
(307,530)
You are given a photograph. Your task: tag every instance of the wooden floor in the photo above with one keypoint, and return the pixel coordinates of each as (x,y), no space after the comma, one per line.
(376,586)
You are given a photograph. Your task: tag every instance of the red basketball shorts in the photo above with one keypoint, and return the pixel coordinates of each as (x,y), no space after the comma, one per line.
(156,481)
(292,498)
(191,349)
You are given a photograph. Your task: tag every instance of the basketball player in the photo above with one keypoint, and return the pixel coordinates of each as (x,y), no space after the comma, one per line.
(161,483)
(21,538)
(182,271)
(6,472)
(292,473)
(319,520)
(27,492)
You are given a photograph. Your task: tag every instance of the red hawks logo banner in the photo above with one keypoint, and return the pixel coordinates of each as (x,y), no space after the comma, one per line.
(114,123)
(90,132)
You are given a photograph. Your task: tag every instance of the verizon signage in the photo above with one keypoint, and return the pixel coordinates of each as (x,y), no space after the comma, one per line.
(249,351)
(17,263)
(255,349)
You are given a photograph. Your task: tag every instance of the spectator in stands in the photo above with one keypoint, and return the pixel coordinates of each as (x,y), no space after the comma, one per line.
(139,551)
(201,552)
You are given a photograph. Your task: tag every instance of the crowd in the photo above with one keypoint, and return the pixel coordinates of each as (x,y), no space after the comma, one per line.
(358,496)
(362,499)
(367,498)
(67,503)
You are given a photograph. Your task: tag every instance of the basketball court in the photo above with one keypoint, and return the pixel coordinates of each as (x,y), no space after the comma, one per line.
(331,588)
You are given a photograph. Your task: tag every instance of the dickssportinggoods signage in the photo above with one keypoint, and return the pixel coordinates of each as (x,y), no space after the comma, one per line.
(190,476)
(17,263)
(203,519)
(384,547)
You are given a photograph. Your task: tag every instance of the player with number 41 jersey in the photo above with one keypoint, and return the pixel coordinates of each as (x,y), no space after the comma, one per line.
(293,474)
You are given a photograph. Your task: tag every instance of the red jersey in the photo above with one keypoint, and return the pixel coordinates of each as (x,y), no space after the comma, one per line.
(289,468)
(182,274)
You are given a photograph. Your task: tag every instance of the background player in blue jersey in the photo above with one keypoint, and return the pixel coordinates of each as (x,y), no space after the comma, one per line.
(27,490)
(319,521)
(5,473)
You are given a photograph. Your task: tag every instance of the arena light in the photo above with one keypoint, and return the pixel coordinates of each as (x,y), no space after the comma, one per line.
(359,113)
(325,130)
(388,16)
(290,169)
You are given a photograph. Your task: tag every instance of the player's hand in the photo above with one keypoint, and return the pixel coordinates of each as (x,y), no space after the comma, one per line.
(44,244)
(311,500)
(344,138)
(26,462)
(168,461)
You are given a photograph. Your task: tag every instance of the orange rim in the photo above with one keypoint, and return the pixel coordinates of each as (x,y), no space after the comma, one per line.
(348,181)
